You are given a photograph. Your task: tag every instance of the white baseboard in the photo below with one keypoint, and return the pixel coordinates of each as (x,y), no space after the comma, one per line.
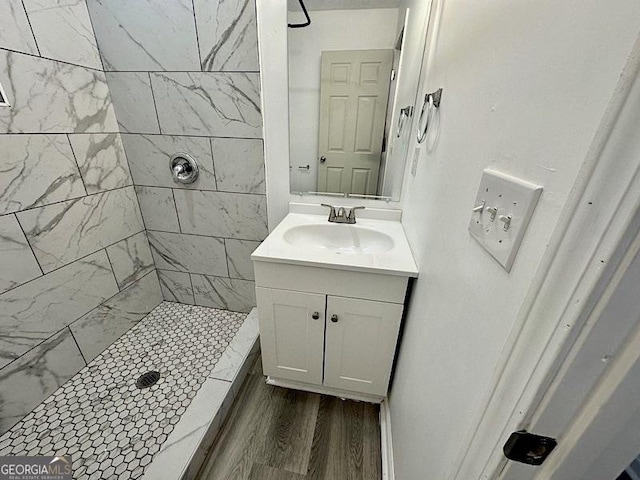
(386,444)
(335,392)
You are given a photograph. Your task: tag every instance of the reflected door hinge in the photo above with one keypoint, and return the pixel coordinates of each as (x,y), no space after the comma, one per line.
(393,74)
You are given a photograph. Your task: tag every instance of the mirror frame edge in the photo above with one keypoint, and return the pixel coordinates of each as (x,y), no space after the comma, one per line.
(271,20)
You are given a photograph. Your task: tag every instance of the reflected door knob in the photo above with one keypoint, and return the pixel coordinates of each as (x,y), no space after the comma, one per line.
(334,318)
(323,159)
(316,315)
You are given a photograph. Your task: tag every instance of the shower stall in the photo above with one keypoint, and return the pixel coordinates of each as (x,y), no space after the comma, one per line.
(125,295)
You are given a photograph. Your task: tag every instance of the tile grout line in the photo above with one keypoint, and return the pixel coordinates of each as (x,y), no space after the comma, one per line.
(50,59)
(71,263)
(209,236)
(226,255)
(78,345)
(113,272)
(191,135)
(75,199)
(204,190)
(74,321)
(193,290)
(195,24)
(75,159)
(155,104)
(144,225)
(93,31)
(205,275)
(35,257)
(175,208)
(33,33)
(213,161)
(219,72)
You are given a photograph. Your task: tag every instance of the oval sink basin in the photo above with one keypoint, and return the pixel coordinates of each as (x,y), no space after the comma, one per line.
(339,238)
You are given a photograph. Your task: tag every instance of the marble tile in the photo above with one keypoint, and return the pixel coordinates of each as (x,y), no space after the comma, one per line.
(102,326)
(102,161)
(64,232)
(227,35)
(239,258)
(239,164)
(33,312)
(111,428)
(131,259)
(197,428)
(158,209)
(149,160)
(176,287)
(225,293)
(146,34)
(235,355)
(232,215)
(188,253)
(63,31)
(48,96)
(15,32)
(133,102)
(209,104)
(37,170)
(32,378)
(17,260)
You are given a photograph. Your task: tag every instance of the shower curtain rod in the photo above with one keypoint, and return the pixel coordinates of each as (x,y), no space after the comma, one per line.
(306,14)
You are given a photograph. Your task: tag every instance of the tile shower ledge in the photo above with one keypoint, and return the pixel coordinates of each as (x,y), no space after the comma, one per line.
(182,455)
(160,433)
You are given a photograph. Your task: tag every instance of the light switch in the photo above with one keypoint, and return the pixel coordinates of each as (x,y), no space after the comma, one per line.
(501,213)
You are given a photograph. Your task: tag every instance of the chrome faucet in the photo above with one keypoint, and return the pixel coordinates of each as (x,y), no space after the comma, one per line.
(342,215)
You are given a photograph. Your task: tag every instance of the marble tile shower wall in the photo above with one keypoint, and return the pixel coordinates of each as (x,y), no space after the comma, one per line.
(76,270)
(184,77)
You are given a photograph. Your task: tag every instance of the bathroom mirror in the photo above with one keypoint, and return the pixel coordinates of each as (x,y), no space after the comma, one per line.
(350,108)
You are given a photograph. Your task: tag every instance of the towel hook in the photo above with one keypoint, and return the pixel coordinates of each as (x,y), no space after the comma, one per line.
(430,104)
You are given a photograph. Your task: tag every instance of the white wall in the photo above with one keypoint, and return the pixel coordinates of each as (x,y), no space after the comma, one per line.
(410,65)
(329,30)
(525,85)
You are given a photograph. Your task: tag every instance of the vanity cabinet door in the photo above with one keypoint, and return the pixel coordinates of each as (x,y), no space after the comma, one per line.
(291,334)
(361,338)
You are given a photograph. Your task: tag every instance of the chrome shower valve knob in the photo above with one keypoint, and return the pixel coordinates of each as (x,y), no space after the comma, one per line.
(184,168)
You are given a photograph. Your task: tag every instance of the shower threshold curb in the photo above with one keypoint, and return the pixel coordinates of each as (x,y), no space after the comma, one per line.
(182,455)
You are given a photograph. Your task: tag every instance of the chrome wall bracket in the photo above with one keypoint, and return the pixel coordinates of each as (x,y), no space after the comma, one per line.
(430,104)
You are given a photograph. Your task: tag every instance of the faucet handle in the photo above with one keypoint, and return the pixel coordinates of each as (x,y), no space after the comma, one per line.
(332,211)
(352,213)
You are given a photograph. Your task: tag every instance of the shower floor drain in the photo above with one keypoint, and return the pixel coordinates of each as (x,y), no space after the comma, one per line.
(147,379)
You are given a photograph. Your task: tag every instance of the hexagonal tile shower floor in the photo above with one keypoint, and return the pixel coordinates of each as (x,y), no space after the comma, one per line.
(111,427)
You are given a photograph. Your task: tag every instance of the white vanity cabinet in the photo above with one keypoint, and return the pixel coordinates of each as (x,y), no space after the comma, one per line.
(292,334)
(330,301)
(327,330)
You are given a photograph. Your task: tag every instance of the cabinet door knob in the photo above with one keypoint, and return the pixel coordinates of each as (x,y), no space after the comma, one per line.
(316,315)
(334,318)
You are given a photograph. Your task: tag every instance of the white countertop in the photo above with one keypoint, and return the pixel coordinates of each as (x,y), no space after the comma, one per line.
(396,261)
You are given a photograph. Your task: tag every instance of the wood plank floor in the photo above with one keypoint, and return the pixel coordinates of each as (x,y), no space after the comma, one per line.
(275,433)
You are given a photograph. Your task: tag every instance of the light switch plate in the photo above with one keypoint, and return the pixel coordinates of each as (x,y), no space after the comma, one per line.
(514,201)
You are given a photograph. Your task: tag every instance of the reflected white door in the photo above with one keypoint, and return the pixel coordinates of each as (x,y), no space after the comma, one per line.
(354,91)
